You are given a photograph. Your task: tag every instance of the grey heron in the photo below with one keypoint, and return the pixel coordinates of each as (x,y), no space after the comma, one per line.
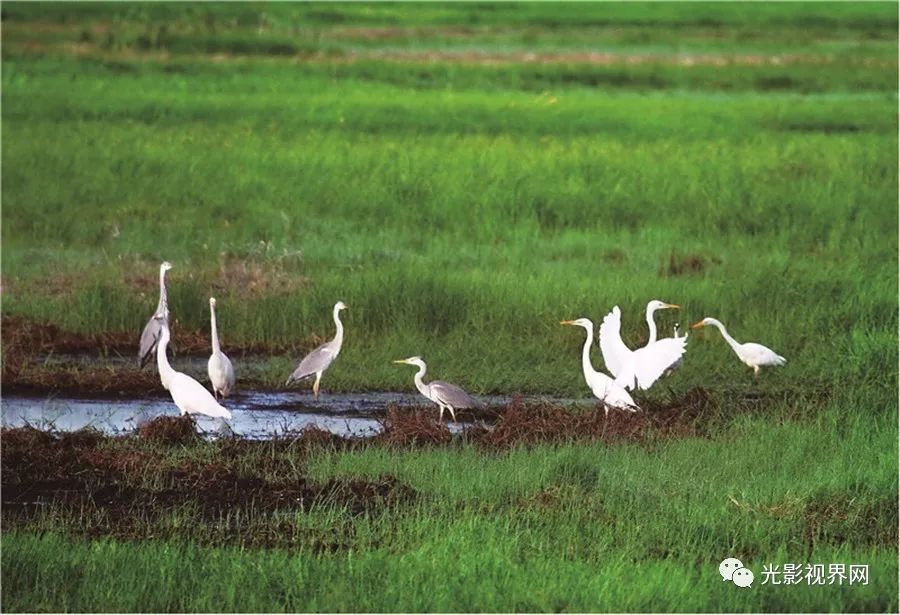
(150,334)
(642,367)
(190,396)
(602,386)
(750,353)
(320,359)
(219,368)
(444,394)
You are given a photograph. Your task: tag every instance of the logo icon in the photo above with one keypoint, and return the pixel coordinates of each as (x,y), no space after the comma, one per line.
(732,569)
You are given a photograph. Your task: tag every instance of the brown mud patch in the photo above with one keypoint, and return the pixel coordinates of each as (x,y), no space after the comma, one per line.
(130,488)
(532,424)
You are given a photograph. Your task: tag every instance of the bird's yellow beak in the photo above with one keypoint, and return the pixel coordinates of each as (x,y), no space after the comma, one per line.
(567,322)
(399,361)
(697,325)
(673,306)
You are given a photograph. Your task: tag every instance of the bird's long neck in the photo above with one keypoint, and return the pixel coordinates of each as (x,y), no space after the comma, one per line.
(163,306)
(651,324)
(339,334)
(586,366)
(162,361)
(215,331)
(731,341)
(418,378)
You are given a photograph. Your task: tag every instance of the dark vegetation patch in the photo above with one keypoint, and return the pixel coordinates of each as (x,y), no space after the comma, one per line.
(687,264)
(416,427)
(131,487)
(26,342)
(532,424)
(844,517)
(823,127)
(536,423)
(169,430)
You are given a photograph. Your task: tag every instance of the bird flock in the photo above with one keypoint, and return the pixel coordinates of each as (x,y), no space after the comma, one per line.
(629,369)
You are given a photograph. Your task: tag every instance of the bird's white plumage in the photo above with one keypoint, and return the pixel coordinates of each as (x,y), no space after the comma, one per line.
(646,365)
(615,352)
(642,367)
(219,367)
(750,353)
(190,396)
(602,386)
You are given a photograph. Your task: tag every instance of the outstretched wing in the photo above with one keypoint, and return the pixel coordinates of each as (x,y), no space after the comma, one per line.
(316,361)
(451,395)
(149,339)
(615,353)
(649,363)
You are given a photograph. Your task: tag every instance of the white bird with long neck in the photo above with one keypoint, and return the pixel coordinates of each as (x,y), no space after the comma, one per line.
(750,353)
(444,394)
(320,359)
(602,386)
(190,396)
(219,367)
(150,334)
(651,323)
(642,367)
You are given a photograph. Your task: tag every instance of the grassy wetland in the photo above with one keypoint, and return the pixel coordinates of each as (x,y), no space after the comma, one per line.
(463,177)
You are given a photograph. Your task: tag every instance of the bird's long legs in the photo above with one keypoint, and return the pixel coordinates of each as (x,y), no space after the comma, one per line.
(316,385)
(441,415)
(452,413)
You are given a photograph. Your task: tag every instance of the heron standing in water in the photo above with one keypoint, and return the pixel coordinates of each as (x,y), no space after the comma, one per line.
(444,394)
(190,396)
(150,335)
(320,359)
(219,367)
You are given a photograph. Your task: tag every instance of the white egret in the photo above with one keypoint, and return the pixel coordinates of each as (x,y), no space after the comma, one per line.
(219,368)
(444,394)
(150,334)
(752,354)
(602,386)
(652,306)
(190,396)
(319,359)
(642,367)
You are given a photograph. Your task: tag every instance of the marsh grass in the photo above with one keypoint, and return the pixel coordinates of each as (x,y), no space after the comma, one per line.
(607,518)
(289,156)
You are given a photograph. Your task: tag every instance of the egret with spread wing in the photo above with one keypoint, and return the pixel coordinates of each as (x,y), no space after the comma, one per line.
(752,354)
(602,386)
(219,367)
(320,359)
(150,334)
(190,396)
(444,394)
(642,367)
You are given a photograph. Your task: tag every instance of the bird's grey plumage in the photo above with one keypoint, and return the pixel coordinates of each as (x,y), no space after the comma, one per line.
(149,339)
(152,330)
(444,394)
(319,359)
(452,395)
(316,361)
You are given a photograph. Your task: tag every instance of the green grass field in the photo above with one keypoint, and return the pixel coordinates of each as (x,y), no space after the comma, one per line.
(464,177)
